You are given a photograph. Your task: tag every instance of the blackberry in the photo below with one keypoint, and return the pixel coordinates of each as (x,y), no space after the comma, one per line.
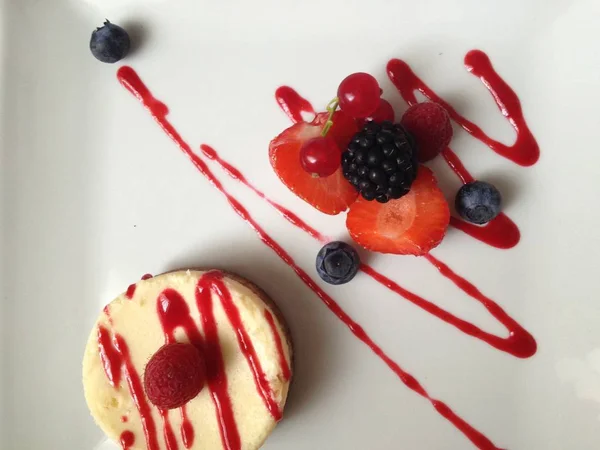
(381,161)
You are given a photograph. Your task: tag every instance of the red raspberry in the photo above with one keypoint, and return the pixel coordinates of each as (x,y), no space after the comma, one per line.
(174,375)
(429,123)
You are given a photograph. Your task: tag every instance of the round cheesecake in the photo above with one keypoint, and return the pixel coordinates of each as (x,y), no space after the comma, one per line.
(241,336)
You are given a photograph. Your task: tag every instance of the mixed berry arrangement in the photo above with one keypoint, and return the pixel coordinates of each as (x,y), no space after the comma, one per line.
(355,158)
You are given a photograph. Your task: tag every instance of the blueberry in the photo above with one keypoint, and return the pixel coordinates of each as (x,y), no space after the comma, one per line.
(478,202)
(337,263)
(109,43)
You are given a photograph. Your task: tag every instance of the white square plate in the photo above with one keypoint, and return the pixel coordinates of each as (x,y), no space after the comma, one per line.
(94,194)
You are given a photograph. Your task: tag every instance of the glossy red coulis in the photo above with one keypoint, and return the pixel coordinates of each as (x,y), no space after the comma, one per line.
(524,151)
(187,429)
(131,81)
(130,292)
(502,231)
(131,289)
(136,390)
(127,439)
(168,434)
(119,362)
(292,104)
(124,419)
(283,363)
(110,357)
(234,173)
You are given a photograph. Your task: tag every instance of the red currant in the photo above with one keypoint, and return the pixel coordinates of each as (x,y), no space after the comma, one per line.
(383,112)
(359,95)
(320,156)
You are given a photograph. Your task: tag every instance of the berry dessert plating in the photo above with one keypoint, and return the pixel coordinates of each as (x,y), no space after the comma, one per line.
(395,205)
(188,359)
(184,353)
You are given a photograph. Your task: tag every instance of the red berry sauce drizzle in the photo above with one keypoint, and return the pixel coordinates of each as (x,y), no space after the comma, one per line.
(116,360)
(285,367)
(168,434)
(500,232)
(293,104)
(127,439)
(131,289)
(187,429)
(518,343)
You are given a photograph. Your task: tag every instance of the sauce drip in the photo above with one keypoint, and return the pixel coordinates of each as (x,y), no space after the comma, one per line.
(292,104)
(131,289)
(130,292)
(285,367)
(120,362)
(168,434)
(110,357)
(187,430)
(127,439)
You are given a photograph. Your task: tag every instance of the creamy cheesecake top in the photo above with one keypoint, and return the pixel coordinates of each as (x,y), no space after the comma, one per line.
(242,338)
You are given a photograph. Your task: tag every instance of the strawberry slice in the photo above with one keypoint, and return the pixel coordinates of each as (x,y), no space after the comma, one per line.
(332,194)
(411,225)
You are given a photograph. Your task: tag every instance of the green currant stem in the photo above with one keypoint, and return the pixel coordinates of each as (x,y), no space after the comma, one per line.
(331,107)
